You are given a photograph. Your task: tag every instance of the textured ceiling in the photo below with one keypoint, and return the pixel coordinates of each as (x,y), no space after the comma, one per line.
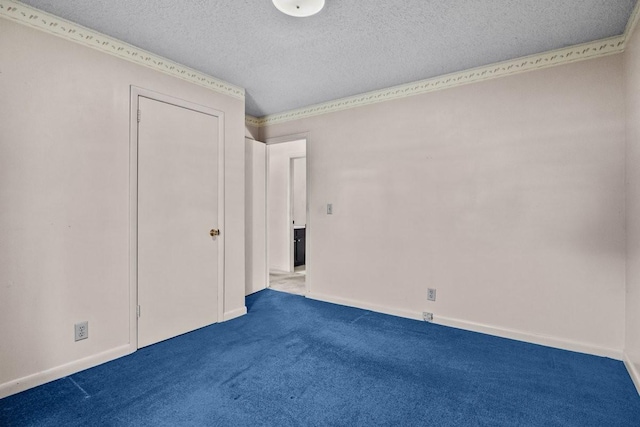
(350,47)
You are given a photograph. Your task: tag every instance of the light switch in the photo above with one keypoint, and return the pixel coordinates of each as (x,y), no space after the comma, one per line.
(329,209)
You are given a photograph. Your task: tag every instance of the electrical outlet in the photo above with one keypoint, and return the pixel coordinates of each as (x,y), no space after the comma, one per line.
(82,330)
(428,317)
(431,294)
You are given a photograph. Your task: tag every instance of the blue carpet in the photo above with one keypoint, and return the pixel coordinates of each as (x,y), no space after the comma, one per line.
(297,362)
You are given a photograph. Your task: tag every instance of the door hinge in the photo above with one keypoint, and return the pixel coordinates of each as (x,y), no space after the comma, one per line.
(138,311)
(139,115)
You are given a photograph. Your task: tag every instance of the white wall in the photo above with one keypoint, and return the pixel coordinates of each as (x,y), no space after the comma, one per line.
(64,192)
(279,228)
(300,191)
(255,216)
(507,196)
(632,81)
(251,132)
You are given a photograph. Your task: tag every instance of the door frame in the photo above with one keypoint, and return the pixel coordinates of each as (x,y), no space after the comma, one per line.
(290,188)
(137,92)
(278,140)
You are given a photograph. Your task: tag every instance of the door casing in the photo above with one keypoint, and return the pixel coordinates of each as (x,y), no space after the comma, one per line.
(309,260)
(291,199)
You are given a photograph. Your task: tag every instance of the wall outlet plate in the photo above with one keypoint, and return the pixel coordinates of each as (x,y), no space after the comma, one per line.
(82,330)
(428,317)
(431,294)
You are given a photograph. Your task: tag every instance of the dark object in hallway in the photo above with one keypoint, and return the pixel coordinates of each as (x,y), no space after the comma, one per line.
(293,361)
(299,242)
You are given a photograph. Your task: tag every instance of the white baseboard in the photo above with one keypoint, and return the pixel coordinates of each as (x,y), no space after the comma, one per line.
(545,340)
(228,315)
(365,306)
(548,341)
(633,371)
(39,378)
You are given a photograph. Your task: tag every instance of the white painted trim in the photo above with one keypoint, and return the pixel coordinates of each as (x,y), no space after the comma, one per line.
(633,371)
(133,218)
(290,184)
(267,155)
(307,227)
(137,92)
(222,246)
(545,340)
(552,58)
(39,378)
(290,207)
(365,306)
(60,27)
(266,217)
(513,334)
(234,313)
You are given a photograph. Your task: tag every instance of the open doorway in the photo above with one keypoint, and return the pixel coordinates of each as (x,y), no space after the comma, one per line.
(287,216)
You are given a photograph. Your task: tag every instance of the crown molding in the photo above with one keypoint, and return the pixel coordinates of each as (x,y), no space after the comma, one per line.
(552,58)
(36,18)
(251,121)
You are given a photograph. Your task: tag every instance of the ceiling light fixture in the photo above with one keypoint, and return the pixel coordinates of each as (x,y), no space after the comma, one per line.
(299,8)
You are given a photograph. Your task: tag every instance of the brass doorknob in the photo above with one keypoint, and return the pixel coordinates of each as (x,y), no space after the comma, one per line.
(214,232)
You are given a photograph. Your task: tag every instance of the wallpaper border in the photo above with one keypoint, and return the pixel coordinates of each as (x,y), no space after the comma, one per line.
(548,59)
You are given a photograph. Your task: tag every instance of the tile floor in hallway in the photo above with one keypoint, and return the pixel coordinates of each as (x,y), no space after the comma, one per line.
(285,281)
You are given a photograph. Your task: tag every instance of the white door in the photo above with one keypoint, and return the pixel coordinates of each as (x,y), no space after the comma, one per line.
(177,208)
